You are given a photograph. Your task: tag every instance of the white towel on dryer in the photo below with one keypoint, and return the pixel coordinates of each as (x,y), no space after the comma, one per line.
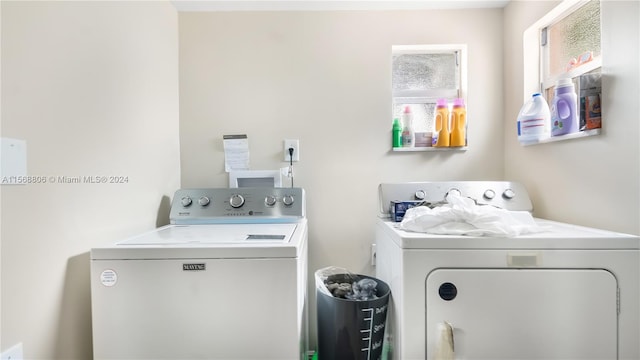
(462,216)
(444,348)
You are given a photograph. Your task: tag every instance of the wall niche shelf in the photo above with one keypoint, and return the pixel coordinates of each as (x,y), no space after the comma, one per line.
(430,149)
(577,135)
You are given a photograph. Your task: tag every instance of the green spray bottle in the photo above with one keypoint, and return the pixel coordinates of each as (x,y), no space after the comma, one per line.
(397,133)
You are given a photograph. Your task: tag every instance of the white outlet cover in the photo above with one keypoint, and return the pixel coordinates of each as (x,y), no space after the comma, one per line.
(295,144)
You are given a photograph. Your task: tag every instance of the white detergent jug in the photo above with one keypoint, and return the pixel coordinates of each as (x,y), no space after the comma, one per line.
(534,120)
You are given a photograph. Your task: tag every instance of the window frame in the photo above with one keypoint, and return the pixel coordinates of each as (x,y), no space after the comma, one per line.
(534,72)
(461,54)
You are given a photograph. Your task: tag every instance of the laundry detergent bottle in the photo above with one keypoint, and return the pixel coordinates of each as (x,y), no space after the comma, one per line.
(564,108)
(458,123)
(534,120)
(442,123)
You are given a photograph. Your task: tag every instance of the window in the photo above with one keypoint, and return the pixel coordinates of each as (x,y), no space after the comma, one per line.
(422,74)
(567,42)
(564,43)
(570,44)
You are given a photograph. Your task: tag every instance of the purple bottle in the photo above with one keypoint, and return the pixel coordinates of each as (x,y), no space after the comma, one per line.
(564,108)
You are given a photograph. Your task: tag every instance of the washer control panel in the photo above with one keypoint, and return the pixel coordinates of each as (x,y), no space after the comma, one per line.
(508,195)
(233,205)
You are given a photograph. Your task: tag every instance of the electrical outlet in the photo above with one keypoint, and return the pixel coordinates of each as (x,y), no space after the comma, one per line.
(295,144)
(13,353)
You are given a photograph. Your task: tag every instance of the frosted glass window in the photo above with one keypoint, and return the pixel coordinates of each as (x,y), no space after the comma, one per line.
(572,41)
(570,44)
(421,74)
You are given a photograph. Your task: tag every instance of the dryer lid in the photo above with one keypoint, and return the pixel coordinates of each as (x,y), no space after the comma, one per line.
(559,236)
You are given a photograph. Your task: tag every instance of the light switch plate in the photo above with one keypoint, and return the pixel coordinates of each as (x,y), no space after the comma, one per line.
(13,159)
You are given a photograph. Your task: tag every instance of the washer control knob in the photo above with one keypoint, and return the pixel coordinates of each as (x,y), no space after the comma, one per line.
(489,194)
(508,194)
(420,195)
(204,201)
(270,200)
(288,200)
(453,191)
(236,200)
(186,201)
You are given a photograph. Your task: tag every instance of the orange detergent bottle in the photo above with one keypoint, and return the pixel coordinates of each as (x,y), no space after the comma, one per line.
(442,123)
(458,123)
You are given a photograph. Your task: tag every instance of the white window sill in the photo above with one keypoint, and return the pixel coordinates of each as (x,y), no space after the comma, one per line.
(429,148)
(577,135)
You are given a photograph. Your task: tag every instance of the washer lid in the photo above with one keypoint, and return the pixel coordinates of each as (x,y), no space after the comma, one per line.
(210,241)
(220,234)
(558,236)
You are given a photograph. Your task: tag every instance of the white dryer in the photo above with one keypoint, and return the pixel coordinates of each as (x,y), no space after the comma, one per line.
(226,280)
(570,292)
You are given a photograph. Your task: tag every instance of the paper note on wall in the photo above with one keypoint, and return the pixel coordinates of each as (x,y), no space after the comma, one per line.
(236,152)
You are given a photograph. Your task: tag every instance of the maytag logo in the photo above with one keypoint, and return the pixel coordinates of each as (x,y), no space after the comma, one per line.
(194,267)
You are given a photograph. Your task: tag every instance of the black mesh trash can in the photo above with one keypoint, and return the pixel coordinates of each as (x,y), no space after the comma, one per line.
(351,329)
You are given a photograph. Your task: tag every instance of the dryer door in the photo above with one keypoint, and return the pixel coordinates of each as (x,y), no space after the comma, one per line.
(523,313)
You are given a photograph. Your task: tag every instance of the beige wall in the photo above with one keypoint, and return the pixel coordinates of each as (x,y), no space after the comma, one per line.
(93,89)
(593,181)
(324,78)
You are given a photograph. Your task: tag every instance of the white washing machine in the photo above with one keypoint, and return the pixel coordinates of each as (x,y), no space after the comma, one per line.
(570,292)
(226,280)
